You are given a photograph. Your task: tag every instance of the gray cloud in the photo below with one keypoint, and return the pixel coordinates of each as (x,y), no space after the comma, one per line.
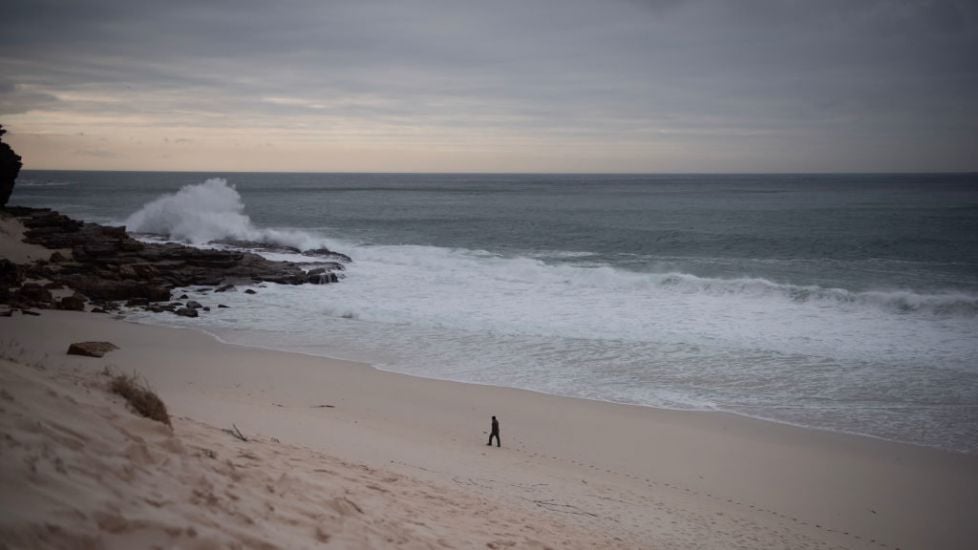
(854,84)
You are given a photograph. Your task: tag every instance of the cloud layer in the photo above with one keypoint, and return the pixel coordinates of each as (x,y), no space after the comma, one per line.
(667,85)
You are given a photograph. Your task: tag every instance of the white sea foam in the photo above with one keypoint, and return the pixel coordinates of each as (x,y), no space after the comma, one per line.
(208,212)
(436,287)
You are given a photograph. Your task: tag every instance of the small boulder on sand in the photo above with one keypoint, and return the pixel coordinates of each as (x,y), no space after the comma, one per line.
(91,349)
(74,302)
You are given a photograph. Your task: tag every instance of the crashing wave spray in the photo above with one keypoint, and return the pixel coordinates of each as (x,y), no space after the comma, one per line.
(208,212)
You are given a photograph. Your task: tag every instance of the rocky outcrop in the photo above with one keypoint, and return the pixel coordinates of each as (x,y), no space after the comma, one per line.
(324,253)
(10,163)
(328,254)
(104,264)
(32,295)
(10,276)
(321,276)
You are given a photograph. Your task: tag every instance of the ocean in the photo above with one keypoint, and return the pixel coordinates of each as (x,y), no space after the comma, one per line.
(839,302)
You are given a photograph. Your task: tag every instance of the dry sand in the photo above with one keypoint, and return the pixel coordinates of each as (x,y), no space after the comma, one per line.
(80,471)
(346,454)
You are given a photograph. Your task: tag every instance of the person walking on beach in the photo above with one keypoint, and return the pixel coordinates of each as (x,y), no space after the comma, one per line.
(494,432)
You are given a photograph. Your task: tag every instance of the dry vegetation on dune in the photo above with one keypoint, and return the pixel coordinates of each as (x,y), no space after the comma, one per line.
(140,397)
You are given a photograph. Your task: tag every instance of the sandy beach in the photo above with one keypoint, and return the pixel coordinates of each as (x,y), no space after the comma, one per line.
(655,274)
(409,455)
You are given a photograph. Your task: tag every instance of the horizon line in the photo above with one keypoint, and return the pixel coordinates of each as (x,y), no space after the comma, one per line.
(489,173)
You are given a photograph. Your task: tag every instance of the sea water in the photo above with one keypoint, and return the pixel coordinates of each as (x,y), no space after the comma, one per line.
(842,302)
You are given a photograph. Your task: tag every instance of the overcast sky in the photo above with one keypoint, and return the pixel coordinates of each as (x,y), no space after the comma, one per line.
(499,86)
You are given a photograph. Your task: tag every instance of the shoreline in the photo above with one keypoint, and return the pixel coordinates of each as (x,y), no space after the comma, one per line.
(367,364)
(693,467)
(223,341)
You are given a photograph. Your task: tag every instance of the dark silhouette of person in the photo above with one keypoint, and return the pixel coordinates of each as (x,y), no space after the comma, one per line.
(494,432)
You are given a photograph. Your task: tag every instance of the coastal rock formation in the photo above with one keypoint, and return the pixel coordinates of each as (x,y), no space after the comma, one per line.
(324,253)
(322,275)
(10,163)
(10,276)
(33,294)
(104,264)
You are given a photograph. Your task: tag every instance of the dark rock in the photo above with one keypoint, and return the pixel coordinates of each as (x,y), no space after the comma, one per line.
(186,312)
(205,308)
(250,291)
(321,277)
(288,279)
(261,246)
(91,349)
(6,311)
(10,273)
(10,163)
(327,253)
(109,265)
(52,230)
(75,302)
(183,297)
(98,310)
(144,270)
(94,250)
(194,305)
(29,312)
(137,302)
(33,293)
(108,289)
(222,306)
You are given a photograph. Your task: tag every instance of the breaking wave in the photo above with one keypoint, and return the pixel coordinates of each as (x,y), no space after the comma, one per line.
(895,301)
(210,212)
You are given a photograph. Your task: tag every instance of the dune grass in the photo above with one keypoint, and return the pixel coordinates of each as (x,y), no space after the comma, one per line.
(142,399)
